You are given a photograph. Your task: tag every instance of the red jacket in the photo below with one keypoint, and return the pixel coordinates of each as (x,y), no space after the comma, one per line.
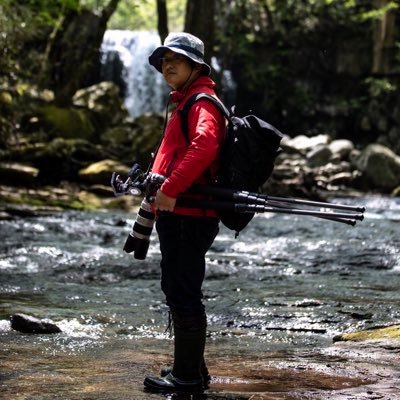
(184,164)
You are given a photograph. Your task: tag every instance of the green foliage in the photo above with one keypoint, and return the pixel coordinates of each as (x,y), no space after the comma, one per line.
(22,23)
(379,12)
(281,50)
(133,14)
(380,87)
(142,15)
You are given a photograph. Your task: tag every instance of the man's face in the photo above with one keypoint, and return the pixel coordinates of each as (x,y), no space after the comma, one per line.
(176,69)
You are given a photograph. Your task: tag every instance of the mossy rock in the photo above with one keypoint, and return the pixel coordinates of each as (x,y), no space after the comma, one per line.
(389,332)
(17,174)
(67,122)
(135,140)
(104,101)
(380,167)
(62,159)
(89,200)
(100,172)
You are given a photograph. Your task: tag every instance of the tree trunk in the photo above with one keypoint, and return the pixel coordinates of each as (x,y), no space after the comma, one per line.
(384,40)
(199,21)
(74,51)
(162,24)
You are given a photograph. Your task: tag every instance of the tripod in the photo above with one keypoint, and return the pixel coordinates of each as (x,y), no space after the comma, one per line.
(248,202)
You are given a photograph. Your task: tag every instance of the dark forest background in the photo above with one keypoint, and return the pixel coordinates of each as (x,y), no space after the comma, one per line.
(309,67)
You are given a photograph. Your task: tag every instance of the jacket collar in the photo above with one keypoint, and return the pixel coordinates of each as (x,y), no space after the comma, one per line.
(202,81)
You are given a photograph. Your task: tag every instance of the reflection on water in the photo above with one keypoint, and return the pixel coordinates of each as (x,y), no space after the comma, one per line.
(281,290)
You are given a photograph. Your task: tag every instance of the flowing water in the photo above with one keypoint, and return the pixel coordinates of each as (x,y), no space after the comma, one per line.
(125,61)
(275,297)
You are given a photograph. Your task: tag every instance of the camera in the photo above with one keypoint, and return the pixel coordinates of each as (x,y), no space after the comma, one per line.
(138,183)
(138,240)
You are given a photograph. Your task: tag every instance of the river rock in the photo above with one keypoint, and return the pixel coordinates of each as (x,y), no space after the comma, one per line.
(380,167)
(100,172)
(389,332)
(341,147)
(62,159)
(303,144)
(135,139)
(319,156)
(17,174)
(66,122)
(104,101)
(28,324)
(342,178)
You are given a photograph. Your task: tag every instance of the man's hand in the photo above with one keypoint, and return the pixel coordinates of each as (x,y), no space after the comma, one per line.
(163,202)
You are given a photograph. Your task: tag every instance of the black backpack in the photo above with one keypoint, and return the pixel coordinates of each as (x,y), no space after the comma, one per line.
(247,158)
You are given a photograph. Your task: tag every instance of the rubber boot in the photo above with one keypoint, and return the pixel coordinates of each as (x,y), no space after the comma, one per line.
(203,370)
(189,343)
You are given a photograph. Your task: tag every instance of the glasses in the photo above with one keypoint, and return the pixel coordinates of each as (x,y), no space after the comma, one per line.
(176,59)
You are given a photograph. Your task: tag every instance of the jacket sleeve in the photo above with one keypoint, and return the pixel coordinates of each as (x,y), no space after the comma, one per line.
(206,130)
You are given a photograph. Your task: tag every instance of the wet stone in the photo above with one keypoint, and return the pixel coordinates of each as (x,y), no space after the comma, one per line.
(275,299)
(28,324)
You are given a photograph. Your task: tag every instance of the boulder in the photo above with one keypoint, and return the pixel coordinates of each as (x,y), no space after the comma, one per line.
(100,172)
(341,147)
(66,122)
(134,140)
(16,174)
(319,156)
(379,333)
(380,167)
(62,158)
(104,101)
(303,144)
(28,324)
(341,179)
(147,136)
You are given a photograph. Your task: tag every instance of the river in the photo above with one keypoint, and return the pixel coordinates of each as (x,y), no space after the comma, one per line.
(276,297)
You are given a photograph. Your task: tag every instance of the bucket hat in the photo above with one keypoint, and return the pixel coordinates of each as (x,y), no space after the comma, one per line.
(182,43)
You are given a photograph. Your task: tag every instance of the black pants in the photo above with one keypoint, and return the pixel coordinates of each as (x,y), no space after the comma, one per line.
(184,242)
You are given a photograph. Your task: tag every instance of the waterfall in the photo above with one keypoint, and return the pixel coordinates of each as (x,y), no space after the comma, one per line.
(125,61)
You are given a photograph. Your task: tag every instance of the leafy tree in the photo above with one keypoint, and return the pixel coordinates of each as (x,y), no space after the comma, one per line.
(290,56)
(76,42)
(199,20)
(142,15)
(35,50)
(21,24)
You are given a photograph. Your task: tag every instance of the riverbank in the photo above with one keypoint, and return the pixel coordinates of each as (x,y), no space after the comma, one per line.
(343,371)
(67,196)
(52,151)
(278,297)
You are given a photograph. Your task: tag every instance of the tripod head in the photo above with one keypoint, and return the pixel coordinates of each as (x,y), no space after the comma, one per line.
(137,183)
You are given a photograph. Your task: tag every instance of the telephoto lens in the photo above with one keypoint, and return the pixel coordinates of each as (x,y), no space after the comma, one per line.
(138,240)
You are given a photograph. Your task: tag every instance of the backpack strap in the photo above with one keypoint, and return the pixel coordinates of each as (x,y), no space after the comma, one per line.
(184,113)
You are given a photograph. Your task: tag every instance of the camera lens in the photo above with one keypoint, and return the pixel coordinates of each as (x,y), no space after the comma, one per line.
(139,239)
(142,246)
(130,244)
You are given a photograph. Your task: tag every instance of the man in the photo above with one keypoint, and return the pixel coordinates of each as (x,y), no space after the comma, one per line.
(185,234)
